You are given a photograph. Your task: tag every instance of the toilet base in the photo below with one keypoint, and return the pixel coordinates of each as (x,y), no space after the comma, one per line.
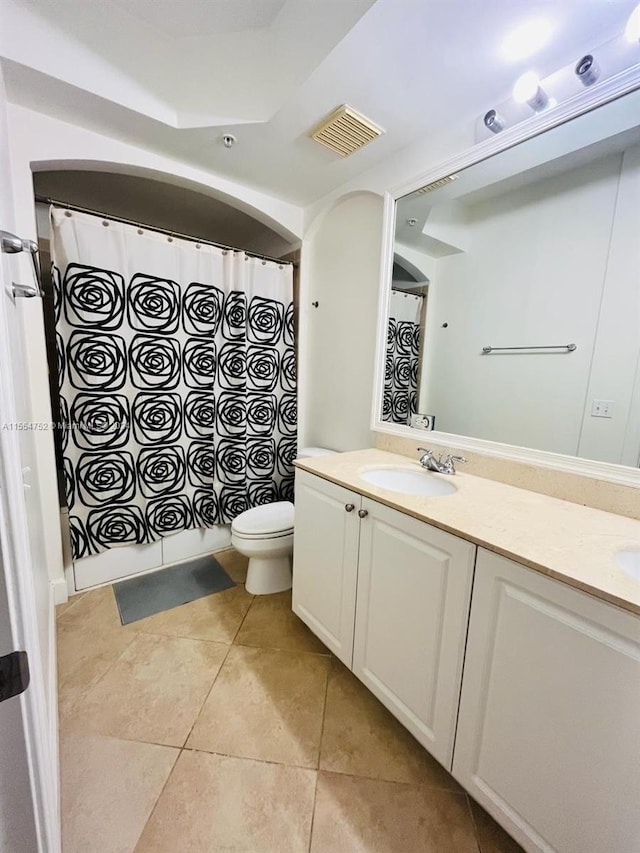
(267,575)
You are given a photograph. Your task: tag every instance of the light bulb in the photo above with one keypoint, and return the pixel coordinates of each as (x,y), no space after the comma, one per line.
(632,30)
(494,122)
(526,87)
(587,70)
(527,90)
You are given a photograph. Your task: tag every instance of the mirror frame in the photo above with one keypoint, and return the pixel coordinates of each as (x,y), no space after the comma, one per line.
(622,93)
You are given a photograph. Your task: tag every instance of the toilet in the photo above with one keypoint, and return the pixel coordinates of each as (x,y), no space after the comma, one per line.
(264,534)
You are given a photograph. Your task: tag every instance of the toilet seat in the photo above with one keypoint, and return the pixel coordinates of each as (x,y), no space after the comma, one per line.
(268,521)
(277,535)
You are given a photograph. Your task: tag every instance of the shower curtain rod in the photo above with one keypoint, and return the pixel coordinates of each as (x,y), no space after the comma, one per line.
(46,200)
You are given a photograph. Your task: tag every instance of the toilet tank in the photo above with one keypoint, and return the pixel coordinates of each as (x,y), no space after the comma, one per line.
(307,452)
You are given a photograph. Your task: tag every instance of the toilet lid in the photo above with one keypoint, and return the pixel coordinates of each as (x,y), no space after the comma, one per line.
(266,519)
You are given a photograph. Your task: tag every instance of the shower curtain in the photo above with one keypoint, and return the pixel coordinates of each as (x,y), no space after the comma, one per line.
(400,401)
(177,381)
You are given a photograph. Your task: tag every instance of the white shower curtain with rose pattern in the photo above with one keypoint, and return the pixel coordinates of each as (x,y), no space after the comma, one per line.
(177,380)
(400,399)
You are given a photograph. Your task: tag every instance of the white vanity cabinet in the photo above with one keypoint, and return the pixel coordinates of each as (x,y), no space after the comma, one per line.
(325,561)
(412,610)
(548,736)
(404,637)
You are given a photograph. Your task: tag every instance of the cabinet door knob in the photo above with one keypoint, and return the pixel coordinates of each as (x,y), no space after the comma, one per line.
(349,507)
(363,513)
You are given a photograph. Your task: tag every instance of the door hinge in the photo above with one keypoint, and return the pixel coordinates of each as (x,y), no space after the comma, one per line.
(14,674)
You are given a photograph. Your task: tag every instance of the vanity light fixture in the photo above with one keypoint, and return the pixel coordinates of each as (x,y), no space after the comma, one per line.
(587,70)
(527,90)
(617,55)
(632,30)
(494,122)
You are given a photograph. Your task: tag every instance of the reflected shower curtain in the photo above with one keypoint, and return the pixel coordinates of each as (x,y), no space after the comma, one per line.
(177,381)
(400,399)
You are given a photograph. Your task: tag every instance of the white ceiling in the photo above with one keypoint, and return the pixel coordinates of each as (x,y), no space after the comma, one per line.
(200,17)
(174,76)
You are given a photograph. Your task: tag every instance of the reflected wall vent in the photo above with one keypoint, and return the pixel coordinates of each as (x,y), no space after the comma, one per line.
(346,130)
(436,185)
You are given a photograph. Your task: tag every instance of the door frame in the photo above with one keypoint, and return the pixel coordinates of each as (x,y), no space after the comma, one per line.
(38,710)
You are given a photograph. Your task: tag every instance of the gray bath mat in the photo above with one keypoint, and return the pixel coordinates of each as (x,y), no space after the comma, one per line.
(168,588)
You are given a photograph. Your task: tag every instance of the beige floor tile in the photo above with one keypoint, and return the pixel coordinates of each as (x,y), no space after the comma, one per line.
(90,639)
(213,803)
(266,705)
(491,837)
(108,790)
(154,691)
(234,564)
(94,610)
(63,608)
(215,617)
(270,623)
(371,816)
(362,738)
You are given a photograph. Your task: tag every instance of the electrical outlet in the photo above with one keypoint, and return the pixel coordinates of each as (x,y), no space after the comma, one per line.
(602,408)
(423,421)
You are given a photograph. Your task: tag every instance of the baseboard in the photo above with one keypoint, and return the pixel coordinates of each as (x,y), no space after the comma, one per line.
(70,580)
(60,591)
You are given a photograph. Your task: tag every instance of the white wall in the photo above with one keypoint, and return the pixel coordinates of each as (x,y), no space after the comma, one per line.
(340,270)
(421,265)
(446,229)
(534,274)
(615,373)
(340,386)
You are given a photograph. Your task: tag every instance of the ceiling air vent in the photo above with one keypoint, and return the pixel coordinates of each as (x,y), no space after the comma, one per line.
(346,131)
(436,185)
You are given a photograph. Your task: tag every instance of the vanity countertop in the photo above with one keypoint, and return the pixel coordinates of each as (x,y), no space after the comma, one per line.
(567,541)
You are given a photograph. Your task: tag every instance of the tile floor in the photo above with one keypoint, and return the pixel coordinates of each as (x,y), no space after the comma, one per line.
(225,725)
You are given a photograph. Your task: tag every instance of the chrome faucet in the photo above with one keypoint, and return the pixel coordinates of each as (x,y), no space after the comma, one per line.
(439,465)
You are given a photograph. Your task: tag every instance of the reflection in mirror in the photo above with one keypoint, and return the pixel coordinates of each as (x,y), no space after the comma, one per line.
(524,261)
(407,310)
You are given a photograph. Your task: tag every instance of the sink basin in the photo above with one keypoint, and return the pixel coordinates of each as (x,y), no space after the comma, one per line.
(629,562)
(408,481)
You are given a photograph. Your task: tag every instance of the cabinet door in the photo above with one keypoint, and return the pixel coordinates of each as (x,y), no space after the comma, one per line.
(325,561)
(549,730)
(414,588)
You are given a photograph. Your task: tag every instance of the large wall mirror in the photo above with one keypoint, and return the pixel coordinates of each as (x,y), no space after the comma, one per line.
(513,310)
